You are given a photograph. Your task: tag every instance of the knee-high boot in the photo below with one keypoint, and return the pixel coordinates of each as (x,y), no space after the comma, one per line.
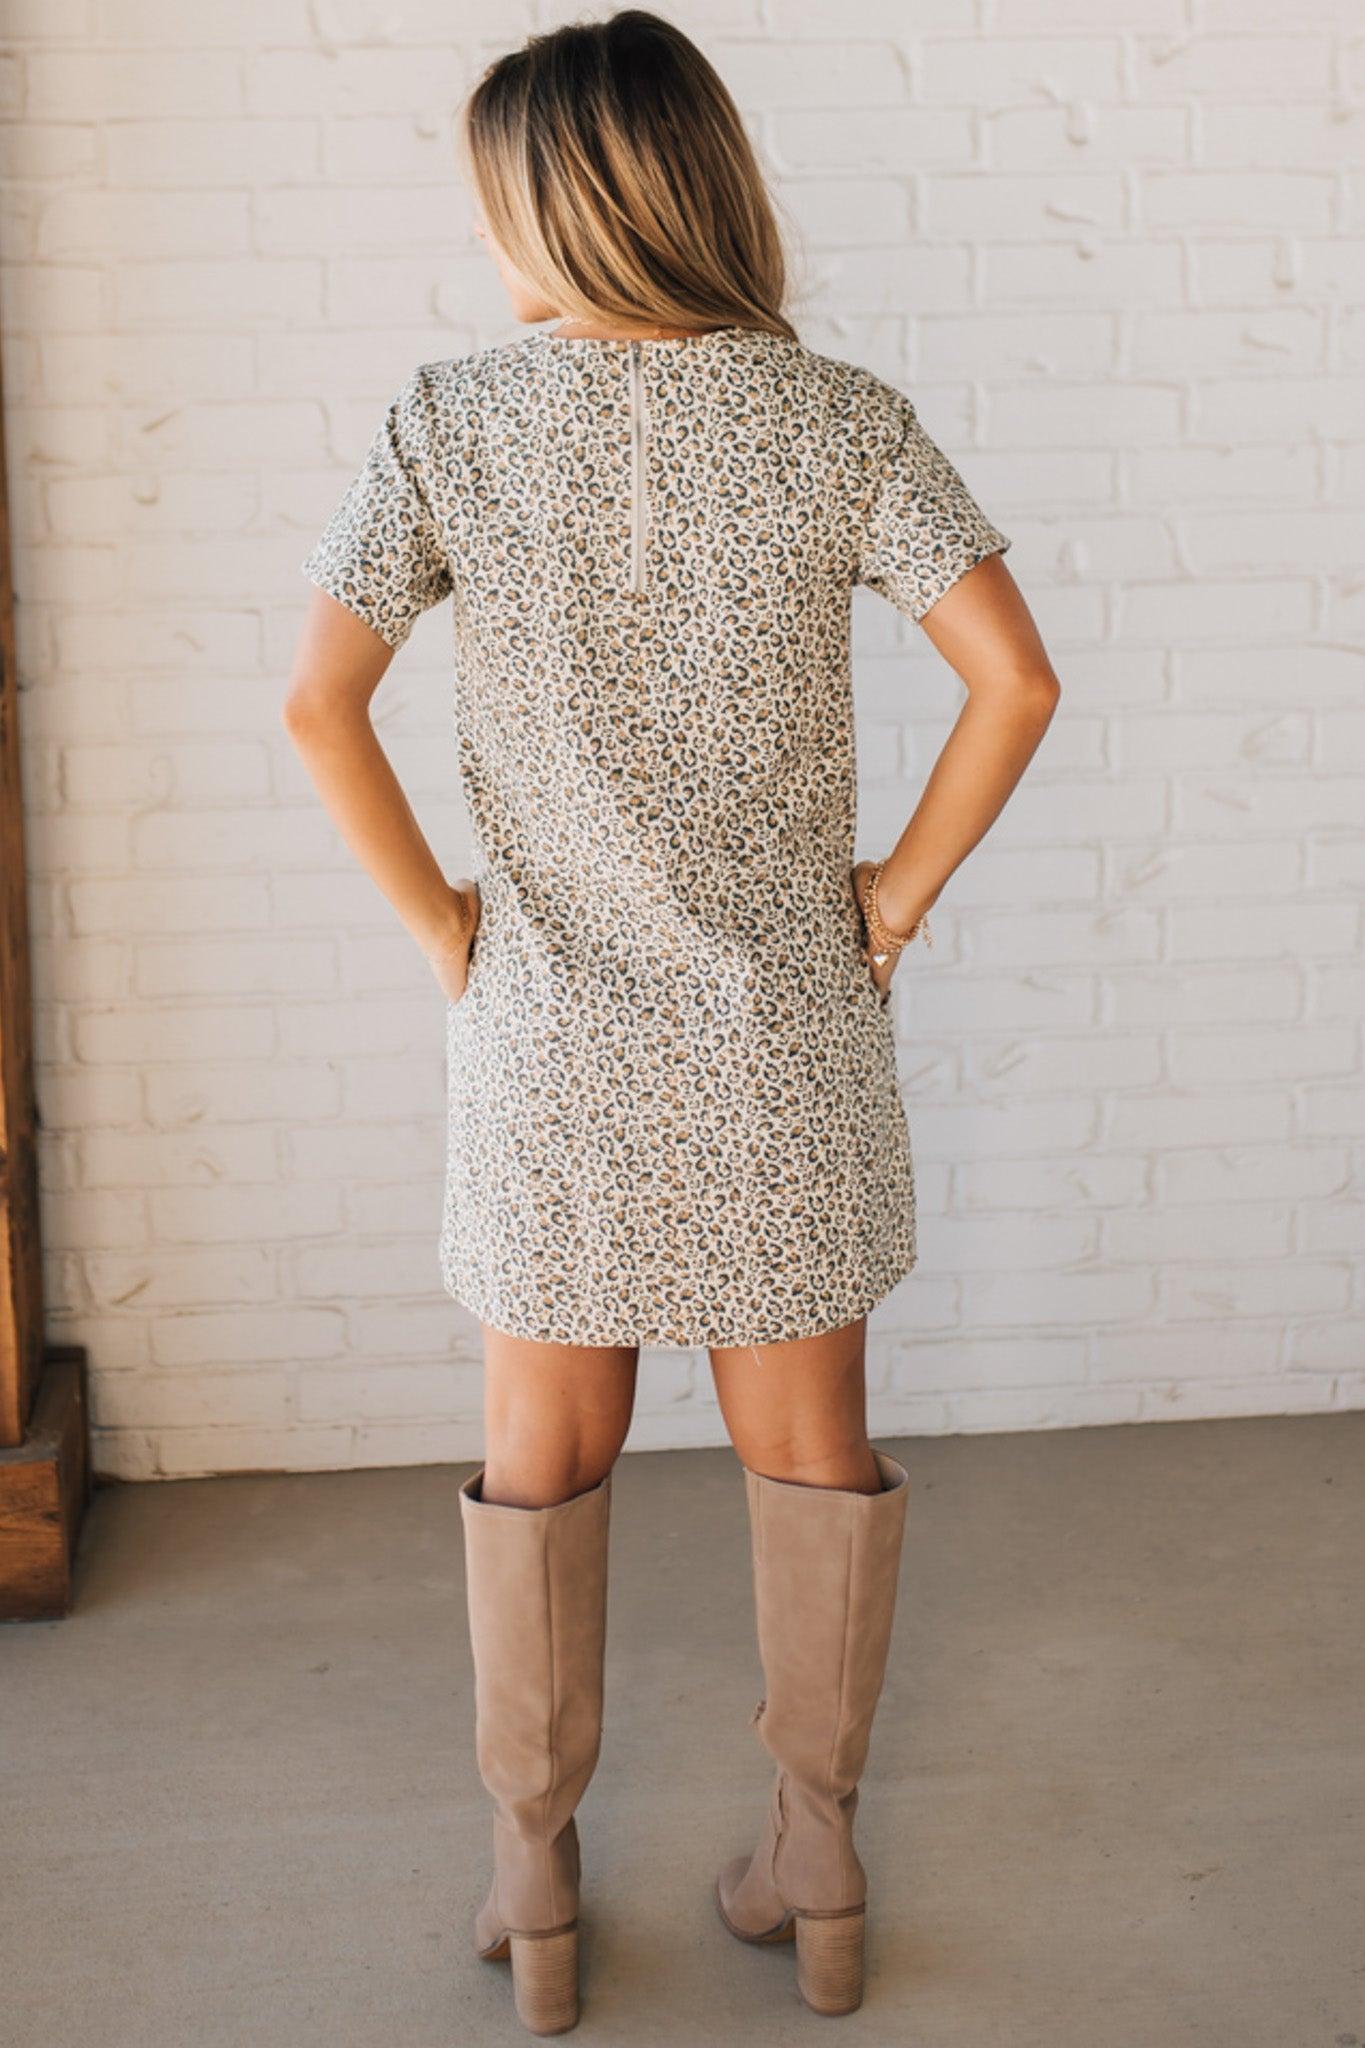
(826,1565)
(536,1580)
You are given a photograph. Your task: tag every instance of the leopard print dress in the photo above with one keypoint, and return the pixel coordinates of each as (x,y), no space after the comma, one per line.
(674,1115)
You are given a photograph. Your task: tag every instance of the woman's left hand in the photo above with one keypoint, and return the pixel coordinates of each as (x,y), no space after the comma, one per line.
(880,975)
(451,964)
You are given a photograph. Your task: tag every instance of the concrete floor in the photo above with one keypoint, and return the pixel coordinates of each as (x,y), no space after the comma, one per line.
(1116,1794)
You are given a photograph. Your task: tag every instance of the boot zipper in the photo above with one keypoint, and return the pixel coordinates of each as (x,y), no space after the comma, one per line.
(637,468)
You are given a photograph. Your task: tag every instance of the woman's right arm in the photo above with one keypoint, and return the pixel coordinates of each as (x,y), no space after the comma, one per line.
(985,632)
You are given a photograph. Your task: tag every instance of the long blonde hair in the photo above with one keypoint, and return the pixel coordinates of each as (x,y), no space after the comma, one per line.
(615,173)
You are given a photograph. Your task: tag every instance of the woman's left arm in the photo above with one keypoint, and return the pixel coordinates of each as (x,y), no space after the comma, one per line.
(338,666)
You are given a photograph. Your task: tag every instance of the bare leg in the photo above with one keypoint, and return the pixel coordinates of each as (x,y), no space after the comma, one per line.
(798,1411)
(555,1417)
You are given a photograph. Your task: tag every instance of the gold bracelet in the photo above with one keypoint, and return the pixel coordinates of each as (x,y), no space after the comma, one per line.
(887,941)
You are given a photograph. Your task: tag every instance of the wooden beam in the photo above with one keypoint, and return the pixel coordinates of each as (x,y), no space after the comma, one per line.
(21,1287)
(45,1476)
(45,1488)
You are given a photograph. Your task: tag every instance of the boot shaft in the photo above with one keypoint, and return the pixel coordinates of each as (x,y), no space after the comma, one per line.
(535,1582)
(536,1587)
(826,1575)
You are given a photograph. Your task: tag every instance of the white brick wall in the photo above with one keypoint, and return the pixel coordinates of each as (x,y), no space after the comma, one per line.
(1115,253)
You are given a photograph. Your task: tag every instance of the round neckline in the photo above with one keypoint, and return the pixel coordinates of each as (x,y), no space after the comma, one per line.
(643,340)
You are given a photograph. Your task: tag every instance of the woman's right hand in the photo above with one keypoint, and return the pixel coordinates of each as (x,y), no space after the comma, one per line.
(878,975)
(450,963)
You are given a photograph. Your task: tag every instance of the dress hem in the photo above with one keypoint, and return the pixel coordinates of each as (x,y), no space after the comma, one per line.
(662,1340)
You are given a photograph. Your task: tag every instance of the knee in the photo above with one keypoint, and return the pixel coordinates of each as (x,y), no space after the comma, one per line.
(556,1418)
(842,1459)
(537,1477)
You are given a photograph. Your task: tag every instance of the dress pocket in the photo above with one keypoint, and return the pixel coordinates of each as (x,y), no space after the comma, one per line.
(457,1003)
(867,987)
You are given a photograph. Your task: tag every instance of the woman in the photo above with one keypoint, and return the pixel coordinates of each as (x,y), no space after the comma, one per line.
(674,1115)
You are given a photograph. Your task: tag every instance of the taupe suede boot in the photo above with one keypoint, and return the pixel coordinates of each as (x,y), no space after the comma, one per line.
(826,1565)
(536,1580)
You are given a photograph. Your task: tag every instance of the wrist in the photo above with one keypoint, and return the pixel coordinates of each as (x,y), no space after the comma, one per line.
(446,939)
(902,903)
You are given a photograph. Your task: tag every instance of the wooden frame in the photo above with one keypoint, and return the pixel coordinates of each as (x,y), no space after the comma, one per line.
(45,1477)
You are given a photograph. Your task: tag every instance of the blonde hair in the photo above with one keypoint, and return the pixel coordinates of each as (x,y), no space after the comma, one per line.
(615,173)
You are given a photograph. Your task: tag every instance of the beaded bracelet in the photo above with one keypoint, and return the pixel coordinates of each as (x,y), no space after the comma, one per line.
(881,934)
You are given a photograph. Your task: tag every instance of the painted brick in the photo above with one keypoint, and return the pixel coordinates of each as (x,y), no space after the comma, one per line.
(1117,270)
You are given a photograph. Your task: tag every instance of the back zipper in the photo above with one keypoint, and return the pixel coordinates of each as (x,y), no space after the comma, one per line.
(637,468)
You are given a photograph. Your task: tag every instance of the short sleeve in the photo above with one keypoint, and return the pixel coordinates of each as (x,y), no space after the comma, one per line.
(381,553)
(923,529)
